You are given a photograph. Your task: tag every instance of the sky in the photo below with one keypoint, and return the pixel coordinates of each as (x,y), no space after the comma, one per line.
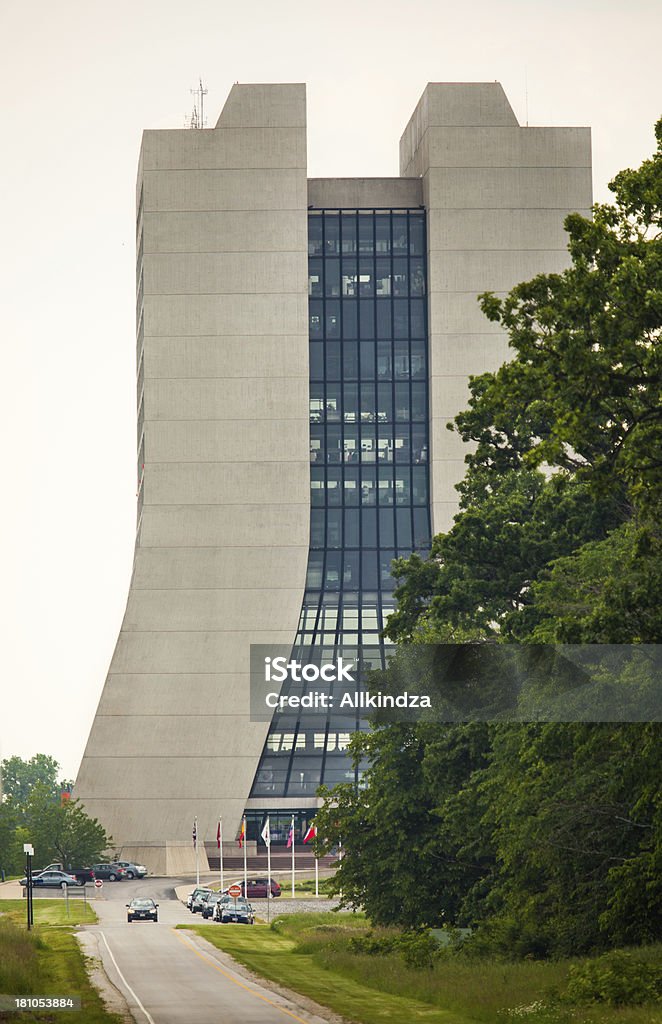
(80,80)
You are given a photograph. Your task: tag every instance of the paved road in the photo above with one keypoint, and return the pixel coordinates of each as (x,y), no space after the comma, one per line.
(172,977)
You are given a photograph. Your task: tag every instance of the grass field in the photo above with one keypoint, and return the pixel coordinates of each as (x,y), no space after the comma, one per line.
(47,960)
(310,954)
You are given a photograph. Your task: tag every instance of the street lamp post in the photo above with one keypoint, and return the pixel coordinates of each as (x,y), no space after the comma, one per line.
(28,850)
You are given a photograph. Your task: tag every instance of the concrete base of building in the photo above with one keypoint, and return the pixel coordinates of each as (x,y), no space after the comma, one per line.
(169,859)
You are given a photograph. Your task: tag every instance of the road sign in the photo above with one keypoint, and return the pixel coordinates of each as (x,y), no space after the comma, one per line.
(234,890)
(98,884)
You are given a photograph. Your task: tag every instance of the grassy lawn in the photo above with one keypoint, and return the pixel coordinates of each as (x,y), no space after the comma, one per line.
(47,960)
(310,954)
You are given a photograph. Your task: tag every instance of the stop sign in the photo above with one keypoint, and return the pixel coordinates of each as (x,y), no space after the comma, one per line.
(98,884)
(234,890)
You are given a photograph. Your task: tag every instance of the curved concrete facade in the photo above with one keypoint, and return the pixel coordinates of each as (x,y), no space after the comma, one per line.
(223,412)
(222,540)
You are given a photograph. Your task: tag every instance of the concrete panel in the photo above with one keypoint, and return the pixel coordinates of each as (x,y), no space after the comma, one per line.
(171,694)
(259,147)
(182,653)
(127,817)
(252,357)
(466,354)
(366,193)
(509,147)
(497,229)
(204,610)
(168,315)
(259,189)
(236,399)
(235,568)
(496,271)
(459,313)
(178,775)
(443,514)
(224,441)
(227,525)
(225,273)
(258,105)
(155,733)
(551,188)
(234,483)
(226,231)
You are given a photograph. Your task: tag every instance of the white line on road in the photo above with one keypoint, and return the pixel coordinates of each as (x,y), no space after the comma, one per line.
(125,982)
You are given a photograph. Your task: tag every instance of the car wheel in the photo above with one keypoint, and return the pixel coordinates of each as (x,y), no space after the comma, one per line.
(112,878)
(129,875)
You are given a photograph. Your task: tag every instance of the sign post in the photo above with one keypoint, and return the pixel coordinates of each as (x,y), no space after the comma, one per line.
(28,850)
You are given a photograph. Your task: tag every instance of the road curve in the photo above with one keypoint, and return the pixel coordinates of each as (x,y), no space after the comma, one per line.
(174,977)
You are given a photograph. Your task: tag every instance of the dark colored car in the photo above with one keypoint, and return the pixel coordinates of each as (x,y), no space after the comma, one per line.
(258,887)
(208,903)
(142,909)
(199,899)
(237,911)
(109,872)
(52,880)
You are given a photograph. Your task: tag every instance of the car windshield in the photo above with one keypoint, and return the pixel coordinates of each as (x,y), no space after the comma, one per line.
(142,903)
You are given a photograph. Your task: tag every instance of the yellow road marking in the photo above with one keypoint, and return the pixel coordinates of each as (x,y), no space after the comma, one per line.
(246,988)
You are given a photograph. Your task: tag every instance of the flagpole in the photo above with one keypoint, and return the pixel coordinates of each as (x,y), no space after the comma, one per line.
(269,879)
(245,871)
(292,834)
(340,860)
(317,877)
(197,857)
(220,847)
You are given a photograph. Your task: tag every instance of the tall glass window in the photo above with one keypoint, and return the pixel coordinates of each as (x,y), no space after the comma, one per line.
(369,443)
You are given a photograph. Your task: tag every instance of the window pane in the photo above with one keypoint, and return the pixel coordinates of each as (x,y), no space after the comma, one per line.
(350,354)
(348,227)
(400,233)
(315,278)
(332,277)
(367,361)
(367,318)
(314,235)
(366,242)
(332,318)
(351,527)
(332,360)
(316,361)
(384,320)
(416,234)
(386,529)
(417,318)
(366,278)
(349,277)
(350,327)
(331,235)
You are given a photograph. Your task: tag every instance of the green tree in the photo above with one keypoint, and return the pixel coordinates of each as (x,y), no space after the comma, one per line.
(20,777)
(63,832)
(550,837)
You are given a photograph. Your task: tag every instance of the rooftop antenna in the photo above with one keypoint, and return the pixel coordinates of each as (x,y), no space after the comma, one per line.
(197,118)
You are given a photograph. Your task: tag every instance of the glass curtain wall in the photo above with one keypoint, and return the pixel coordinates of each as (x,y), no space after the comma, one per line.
(369,443)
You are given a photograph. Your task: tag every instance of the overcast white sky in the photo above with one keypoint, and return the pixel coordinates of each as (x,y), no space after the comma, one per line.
(80,80)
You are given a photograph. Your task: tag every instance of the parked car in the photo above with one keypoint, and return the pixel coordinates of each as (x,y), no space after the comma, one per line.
(224,902)
(142,909)
(237,912)
(109,872)
(258,888)
(194,893)
(133,870)
(82,874)
(208,903)
(198,900)
(52,880)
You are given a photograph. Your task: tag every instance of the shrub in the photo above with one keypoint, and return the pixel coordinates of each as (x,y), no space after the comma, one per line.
(616,978)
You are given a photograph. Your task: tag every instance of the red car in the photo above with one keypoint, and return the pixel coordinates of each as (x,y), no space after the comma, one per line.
(257,888)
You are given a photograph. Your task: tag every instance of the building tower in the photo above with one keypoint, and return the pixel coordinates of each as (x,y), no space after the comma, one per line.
(301,347)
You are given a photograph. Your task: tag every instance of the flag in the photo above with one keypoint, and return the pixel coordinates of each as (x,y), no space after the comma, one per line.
(266,833)
(311,833)
(195,832)
(218,835)
(242,833)
(290,836)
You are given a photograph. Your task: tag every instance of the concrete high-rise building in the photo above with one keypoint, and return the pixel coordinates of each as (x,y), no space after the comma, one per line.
(301,345)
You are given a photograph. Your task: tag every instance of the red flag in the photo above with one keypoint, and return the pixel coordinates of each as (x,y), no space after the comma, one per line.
(290,837)
(242,833)
(311,833)
(218,835)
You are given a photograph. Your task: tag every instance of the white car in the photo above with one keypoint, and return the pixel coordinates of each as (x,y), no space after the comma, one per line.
(133,870)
